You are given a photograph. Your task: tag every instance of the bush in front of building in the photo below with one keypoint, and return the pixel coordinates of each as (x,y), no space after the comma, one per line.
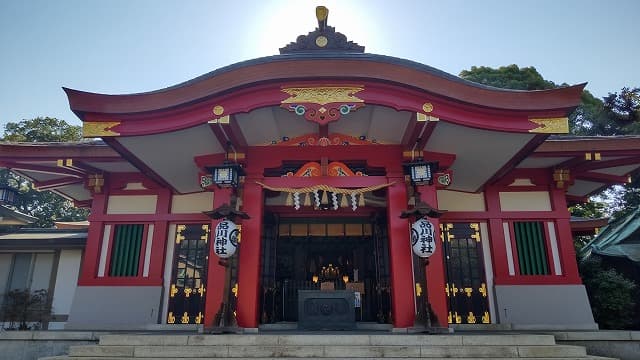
(611,294)
(23,309)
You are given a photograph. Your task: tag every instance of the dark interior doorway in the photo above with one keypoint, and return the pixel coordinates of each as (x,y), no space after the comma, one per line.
(325,254)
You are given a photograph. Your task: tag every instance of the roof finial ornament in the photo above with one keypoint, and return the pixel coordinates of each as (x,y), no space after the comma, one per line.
(322,13)
(324,38)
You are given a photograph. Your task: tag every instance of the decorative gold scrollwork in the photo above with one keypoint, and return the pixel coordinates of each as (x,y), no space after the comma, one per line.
(446,289)
(179,230)
(185,318)
(485,318)
(454,290)
(173,291)
(323,95)
(418,289)
(450,318)
(201,290)
(558,125)
(483,290)
(468,290)
(199,318)
(471,319)
(170,318)
(234,290)
(458,318)
(187,292)
(206,230)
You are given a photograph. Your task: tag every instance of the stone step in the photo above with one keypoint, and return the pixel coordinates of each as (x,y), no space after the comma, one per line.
(326,351)
(328,339)
(324,358)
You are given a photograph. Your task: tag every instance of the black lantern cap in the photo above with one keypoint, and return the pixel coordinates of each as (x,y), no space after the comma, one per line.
(225,211)
(422,209)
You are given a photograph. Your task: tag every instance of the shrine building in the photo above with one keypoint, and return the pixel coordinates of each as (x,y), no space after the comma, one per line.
(330,145)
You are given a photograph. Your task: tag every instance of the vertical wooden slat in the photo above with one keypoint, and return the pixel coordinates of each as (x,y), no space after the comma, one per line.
(117,252)
(127,250)
(543,251)
(519,248)
(535,258)
(137,244)
(530,255)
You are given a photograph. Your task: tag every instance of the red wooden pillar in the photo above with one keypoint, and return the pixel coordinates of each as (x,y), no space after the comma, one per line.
(496,237)
(91,256)
(247,309)
(435,270)
(159,240)
(400,256)
(565,237)
(216,272)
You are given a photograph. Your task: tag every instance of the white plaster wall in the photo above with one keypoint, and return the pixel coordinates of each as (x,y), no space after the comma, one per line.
(42,269)
(5,267)
(66,281)
(132,204)
(460,201)
(192,203)
(525,201)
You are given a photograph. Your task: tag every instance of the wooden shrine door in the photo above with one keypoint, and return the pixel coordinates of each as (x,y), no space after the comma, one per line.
(189,275)
(465,277)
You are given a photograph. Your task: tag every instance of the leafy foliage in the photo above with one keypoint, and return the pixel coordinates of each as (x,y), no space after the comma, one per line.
(42,130)
(22,307)
(612,296)
(508,77)
(616,114)
(47,206)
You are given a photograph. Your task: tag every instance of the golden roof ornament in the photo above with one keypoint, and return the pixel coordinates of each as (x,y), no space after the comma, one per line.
(323,38)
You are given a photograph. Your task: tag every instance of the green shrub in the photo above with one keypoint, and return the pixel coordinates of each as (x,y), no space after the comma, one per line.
(26,310)
(611,294)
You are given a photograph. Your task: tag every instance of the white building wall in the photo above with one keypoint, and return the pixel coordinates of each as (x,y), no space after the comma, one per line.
(42,268)
(66,283)
(525,201)
(192,203)
(460,201)
(132,204)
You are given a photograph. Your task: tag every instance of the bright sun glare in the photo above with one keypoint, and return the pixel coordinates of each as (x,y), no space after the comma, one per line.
(279,23)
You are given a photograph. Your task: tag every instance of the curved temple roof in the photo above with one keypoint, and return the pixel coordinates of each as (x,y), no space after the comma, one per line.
(330,65)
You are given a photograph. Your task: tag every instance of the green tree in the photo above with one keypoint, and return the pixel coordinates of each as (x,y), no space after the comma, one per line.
(610,294)
(508,77)
(46,206)
(617,114)
(42,129)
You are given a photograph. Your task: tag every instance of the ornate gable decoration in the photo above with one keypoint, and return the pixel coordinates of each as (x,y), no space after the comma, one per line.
(322,104)
(324,38)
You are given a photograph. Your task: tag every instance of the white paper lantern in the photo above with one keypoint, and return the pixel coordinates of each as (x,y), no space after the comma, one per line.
(225,242)
(422,238)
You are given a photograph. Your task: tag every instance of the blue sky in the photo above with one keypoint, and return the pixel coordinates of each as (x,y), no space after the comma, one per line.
(128,46)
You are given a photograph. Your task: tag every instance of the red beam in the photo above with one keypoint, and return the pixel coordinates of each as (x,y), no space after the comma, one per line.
(56,183)
(335,181)
(516,159)
(600,177)
(412,132)
(41,169)
(426,134)
(602,164)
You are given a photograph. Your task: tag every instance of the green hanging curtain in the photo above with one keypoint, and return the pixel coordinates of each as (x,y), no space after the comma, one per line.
(531,248)
(127,244)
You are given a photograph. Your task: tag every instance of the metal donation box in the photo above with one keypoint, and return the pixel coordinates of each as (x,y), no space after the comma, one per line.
(326,310)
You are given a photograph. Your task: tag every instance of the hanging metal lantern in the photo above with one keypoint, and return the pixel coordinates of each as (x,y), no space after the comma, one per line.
(8,195)
(225,242)
(421,171)
(226,175)
(422,238)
